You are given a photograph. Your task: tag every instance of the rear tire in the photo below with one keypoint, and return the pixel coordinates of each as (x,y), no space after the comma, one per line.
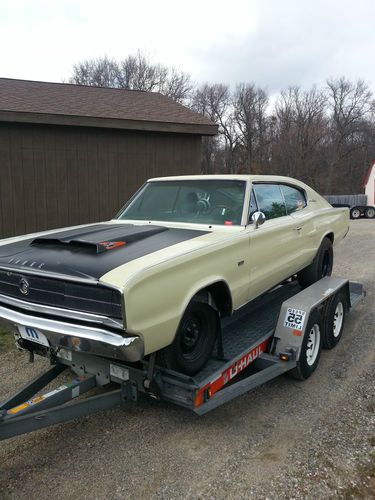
(335,320)
(310,349)
(355,213)
(320,267)
(370,213)
(194,340)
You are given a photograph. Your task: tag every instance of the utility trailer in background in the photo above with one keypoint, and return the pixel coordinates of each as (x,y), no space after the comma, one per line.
(357,204)
(282,331)
(366,211)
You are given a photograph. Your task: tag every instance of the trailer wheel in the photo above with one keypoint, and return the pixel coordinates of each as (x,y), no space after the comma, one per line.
(335,320)
(310,349)
(370,213)
(194,340)
(320,267)
(355,213)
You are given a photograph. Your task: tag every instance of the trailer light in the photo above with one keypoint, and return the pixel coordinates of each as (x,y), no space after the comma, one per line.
(198,399)
(284,356)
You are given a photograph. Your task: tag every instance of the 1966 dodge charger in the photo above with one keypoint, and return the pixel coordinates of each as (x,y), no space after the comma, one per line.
(183,253)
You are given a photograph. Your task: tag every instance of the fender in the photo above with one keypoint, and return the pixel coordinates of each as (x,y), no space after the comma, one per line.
(155,304)
(203,287)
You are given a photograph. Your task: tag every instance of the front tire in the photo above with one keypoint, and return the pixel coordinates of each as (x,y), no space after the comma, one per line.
(194,341)
(320,267)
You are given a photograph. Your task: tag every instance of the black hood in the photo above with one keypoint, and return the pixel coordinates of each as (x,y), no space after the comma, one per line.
(90,251)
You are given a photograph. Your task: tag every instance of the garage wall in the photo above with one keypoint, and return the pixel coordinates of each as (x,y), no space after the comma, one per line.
(55,176)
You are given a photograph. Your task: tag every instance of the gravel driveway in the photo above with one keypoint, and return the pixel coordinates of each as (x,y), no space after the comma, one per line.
(287,439)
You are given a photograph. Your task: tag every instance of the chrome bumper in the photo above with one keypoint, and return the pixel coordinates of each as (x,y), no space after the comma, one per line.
(77,337)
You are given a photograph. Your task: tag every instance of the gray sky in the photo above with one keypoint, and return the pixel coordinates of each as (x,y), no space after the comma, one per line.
(275,43)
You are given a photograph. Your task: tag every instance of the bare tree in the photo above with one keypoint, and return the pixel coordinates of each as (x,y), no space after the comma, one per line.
(215,102)
(325,136)
(301,127)
(250,114)
(177,85)
(135,72)
(100,72)
(350,107)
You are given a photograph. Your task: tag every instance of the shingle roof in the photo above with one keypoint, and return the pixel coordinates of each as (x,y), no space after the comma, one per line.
(61,103)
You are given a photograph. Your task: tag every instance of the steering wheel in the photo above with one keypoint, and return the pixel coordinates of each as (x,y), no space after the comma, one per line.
(203,205)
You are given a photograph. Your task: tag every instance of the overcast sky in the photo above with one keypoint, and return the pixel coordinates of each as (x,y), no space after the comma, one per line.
(275,43)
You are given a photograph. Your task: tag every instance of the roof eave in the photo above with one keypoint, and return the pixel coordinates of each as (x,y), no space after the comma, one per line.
(89,121)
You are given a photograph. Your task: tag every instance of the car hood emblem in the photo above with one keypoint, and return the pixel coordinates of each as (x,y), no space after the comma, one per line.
(24,286)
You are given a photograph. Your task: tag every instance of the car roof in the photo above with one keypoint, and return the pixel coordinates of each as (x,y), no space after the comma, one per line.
(238,177)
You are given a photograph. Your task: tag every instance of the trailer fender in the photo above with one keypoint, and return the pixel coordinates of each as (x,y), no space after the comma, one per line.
(295,313)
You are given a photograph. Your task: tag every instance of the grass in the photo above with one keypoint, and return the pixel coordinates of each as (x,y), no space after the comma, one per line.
(6,340)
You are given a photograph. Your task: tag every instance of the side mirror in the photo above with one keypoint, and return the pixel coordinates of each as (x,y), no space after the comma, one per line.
(258,218)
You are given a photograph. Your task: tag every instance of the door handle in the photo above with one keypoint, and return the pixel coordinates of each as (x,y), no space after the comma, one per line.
(297,228)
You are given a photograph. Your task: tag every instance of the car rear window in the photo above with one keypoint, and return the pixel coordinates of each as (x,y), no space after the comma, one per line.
(294,198)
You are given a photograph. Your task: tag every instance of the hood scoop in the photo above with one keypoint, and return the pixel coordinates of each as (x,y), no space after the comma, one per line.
(97,239)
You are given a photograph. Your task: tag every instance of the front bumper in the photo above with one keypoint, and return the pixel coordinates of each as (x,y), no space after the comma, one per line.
(76,337)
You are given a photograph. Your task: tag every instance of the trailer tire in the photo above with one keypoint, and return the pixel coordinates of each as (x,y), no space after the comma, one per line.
(194,340)
(320,267)
(310,349)
(335,320)
(370,213)
(355,213)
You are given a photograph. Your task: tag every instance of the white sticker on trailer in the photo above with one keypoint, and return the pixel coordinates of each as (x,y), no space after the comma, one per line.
(294,318)
(64,354)
(119,372)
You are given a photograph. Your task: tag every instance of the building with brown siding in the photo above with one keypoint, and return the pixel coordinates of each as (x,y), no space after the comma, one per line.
(73,154)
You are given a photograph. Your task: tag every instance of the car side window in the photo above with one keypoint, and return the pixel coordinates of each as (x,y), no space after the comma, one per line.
(253,205)
(270,200)
(294,198)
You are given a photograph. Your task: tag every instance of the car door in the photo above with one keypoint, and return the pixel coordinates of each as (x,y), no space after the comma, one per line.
(305,231)
(272,245)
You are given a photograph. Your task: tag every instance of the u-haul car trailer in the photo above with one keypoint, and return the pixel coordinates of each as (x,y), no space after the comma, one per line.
(282,331)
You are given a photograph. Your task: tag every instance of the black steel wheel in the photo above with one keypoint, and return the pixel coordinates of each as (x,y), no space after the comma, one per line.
(320,267)
(194,341)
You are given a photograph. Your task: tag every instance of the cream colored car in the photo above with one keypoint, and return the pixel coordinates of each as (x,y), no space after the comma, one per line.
(182,254)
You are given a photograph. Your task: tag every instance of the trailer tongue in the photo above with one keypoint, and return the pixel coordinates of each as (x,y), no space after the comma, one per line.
(283,331)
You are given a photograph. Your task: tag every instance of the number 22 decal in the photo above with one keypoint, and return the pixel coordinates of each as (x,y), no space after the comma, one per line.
(294,318)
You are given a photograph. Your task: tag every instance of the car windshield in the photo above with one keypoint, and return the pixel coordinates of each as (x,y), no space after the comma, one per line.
(211,201)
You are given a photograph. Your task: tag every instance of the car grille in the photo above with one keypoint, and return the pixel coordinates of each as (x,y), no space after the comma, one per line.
(95,299)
